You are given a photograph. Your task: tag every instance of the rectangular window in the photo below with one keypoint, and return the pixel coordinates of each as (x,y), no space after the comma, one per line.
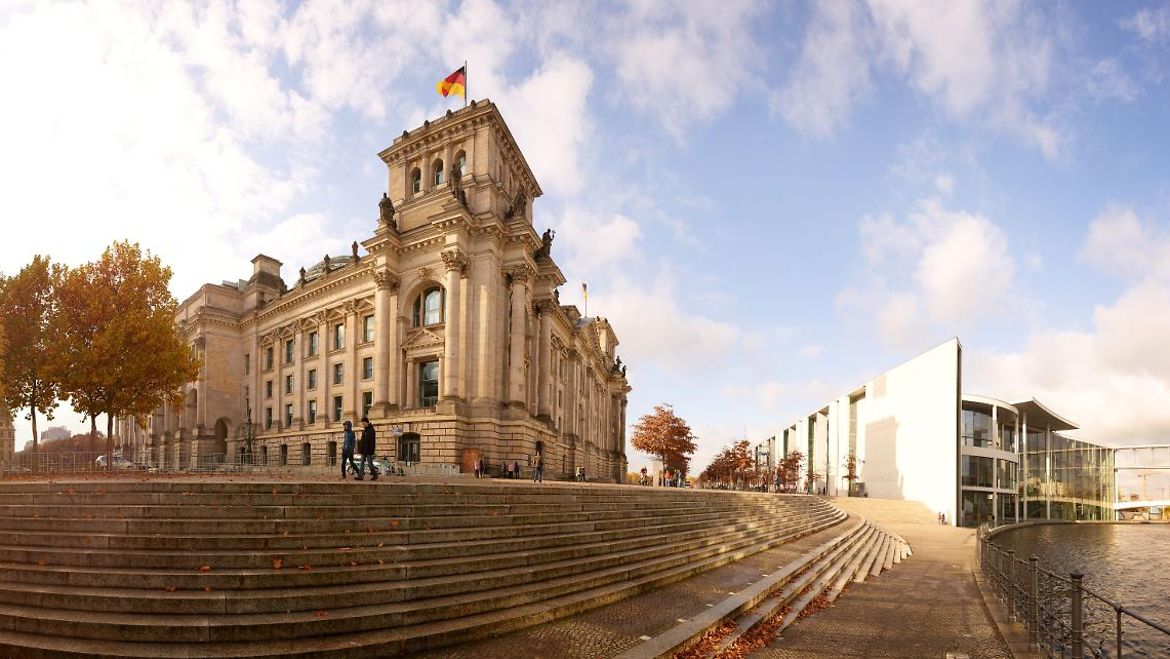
(978,472)
(338,373)
(428,383)
(978,507)
(283,454)
(312,378)
(976,428)
(312,411)
(268,418)
(288,351)
(338,336)
(268,388)
(247,363)
(368,328)
(312,344)
(367,402)
(367,368)
(1007,475)
(288,416)
(337,408)
(268,358)
(288,384)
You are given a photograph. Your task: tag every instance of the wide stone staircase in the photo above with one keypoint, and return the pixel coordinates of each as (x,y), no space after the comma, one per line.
(215,568)
(857,550)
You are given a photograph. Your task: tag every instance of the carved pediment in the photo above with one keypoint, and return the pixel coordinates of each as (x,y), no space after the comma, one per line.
(422,337)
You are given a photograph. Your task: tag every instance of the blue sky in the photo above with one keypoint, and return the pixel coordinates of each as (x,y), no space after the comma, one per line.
(772,202)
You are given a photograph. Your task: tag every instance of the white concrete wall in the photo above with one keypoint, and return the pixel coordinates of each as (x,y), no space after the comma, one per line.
(911,434)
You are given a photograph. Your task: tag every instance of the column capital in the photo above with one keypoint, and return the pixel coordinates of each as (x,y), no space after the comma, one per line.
(542,306)
(519,273)
(454,259)
(386,280)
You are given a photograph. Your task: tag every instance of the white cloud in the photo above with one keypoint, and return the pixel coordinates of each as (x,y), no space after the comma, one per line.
(683,63)
(548,114)
(832,74)
(1122,244)
(1150,25)
(944,183)
(593,241)
(1114,379)
(937,267)
(1107,80)
(982,63)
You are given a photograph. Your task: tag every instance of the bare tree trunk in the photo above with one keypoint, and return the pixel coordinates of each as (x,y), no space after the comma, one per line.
(110,439)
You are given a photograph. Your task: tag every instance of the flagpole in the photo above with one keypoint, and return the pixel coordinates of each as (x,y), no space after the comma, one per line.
(465,92)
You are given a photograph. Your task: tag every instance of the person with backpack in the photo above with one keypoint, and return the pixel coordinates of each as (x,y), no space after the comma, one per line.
(348,442)
(367,449)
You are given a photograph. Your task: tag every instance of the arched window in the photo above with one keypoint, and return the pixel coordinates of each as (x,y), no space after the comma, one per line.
(438,169)
(460,164)
(428,307)
(416,181)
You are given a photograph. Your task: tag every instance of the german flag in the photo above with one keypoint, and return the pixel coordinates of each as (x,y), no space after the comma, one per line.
(454,83)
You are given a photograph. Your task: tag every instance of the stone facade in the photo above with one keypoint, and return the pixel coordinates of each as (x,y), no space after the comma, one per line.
(7,437)
(448,333)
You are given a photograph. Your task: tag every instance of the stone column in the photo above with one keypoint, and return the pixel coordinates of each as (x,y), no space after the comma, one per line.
(324,377)
(516,390)
(385,335)
(352,373)
(543,357)
(453,262)
(400,395)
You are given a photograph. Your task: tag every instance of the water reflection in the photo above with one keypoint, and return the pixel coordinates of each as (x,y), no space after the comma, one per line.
(1127,563)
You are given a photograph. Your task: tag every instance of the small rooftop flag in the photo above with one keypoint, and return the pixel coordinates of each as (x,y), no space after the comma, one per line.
(455,83)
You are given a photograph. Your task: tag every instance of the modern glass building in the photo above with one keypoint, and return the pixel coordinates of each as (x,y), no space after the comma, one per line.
(915,435)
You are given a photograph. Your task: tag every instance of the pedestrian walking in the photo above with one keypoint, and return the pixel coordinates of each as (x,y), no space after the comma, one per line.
(538,472)
(348,442)
(507,470)
(515,469)
(478,467)
(367,448)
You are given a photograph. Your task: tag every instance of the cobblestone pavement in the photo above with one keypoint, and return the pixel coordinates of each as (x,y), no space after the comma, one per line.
(608,630)
(927,606)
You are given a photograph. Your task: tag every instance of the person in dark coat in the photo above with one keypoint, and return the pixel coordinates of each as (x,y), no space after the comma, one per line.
(348,444)
(367,448)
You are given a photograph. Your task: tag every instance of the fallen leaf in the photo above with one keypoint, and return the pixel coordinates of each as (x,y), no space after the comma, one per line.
(277,563)
(205,568)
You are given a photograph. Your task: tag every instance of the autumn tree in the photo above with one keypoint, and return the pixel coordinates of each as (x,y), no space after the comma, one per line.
(119,352)
(851,471)
(29,302)
(788,471)
(664,435)
(731,464)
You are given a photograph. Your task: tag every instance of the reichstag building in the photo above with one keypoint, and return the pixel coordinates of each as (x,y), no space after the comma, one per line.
(444,327)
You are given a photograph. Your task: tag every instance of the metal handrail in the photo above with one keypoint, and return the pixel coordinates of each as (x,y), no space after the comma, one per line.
(1062,617)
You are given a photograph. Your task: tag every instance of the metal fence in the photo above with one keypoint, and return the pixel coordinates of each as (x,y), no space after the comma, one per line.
(1063,618)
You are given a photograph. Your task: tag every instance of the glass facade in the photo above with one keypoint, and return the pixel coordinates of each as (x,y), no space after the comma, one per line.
(1065,478)
(978,472)
(976,427)
(978,508)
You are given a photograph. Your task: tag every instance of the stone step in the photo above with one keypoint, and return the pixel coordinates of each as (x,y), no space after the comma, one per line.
(317,556)
(496,593)
(291,574)
(372,586)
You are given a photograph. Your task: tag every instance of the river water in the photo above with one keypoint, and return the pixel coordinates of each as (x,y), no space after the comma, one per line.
(1127,563)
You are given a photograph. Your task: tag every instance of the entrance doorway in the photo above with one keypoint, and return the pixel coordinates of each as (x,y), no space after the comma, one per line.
(408,447)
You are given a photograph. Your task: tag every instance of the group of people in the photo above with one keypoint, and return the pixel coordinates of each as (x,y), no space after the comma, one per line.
(367,447)
(513,470)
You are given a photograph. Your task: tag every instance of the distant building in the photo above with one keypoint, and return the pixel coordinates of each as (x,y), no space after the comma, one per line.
(917,436)
(7,437)
(448,333)
(56,432)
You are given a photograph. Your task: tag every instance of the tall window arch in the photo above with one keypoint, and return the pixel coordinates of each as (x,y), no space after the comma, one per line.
(460,166)
(428,307)
(437,168)
(416,180)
